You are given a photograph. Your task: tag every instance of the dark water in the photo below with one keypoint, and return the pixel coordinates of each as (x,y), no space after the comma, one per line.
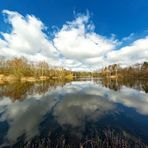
(72,112)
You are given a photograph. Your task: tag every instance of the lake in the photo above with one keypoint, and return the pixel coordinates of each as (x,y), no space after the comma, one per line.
(80,113)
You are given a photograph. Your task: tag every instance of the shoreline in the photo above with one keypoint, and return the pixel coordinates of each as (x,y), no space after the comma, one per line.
(12,78)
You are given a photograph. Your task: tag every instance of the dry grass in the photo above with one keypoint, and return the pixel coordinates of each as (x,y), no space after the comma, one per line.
(108,139)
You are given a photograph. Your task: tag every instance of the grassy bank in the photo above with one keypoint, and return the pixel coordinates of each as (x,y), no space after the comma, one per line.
(12,78)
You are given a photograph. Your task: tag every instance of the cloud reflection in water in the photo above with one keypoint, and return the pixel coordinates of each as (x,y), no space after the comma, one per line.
(73,105)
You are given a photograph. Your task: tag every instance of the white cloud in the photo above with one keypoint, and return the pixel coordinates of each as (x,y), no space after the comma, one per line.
(136,52)
(75,46)
(26,38)
(77,41)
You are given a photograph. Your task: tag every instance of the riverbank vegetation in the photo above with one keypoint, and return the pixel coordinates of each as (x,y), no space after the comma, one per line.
(107,138)
(116,71)
(24,70)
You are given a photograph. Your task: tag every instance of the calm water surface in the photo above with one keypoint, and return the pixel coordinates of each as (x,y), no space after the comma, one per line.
(74,110)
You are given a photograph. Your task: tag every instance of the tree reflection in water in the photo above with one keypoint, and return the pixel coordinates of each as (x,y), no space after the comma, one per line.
(116,84)
(92,113)
(20,90)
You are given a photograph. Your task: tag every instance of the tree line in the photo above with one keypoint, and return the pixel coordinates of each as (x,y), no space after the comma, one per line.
(116,71)
(21,67)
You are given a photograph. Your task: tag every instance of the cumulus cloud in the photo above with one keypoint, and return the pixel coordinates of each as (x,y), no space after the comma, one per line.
(75,46)
(26,39)
(77,40)
(136,52)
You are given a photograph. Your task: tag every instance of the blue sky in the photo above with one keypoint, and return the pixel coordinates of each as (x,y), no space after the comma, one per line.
(109,16)
(126,20)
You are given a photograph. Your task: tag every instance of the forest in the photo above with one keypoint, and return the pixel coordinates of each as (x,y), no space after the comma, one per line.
(22,69)
(139,71)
